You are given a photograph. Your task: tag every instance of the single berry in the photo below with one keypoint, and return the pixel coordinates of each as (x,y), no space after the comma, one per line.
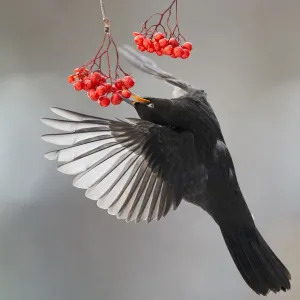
(119,84)
(71,78)
(173,42)
(116,99)
(141,48)
(93,95)
(126,94)
(104,101)
(186,54)
(88,84)
(163,43)
(178,51)
(150,50)
(135,33)
(168,50)
(187,46)
(158,36)
(128,82)
(159,53)
(156,46)
(139,39)
(147,43)
(96,78)
(78,85)
(101,90)
(173,56)
(108,87)
(113,88)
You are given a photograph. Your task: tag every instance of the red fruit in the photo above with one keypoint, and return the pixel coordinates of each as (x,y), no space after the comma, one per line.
(128,82)
(186,54)
(156,46)
(119,84)
(150,50)
(93,95)
(147,43)
(187,46)
(113,88)
(158,36)
(159,53)
(104,101)
(116,99)
(173,55)
(96,78)
(141,48)
(139,39)
(78,85)
(108,87)
(135,33)
(101,90)
(163,43)
(126,94)
(71,78)
(178,51)
(168,50)
(173,42)
(88,84)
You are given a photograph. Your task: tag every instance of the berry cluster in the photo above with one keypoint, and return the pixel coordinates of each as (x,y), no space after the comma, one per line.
(97,87)
(160,45)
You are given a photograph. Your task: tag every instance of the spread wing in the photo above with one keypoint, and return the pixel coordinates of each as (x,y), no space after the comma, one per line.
(147,65)
(134,169)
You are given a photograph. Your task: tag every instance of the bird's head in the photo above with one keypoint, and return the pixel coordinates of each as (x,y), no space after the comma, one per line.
(167,112)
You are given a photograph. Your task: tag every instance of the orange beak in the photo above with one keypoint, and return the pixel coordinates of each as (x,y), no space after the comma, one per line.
(138,99)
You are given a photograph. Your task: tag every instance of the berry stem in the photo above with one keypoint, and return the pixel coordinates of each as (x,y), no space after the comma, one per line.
(104,18)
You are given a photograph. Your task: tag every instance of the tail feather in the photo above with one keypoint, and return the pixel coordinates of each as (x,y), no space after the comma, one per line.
(257,263)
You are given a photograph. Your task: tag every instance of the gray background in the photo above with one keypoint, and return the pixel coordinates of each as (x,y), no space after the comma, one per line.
(54,243)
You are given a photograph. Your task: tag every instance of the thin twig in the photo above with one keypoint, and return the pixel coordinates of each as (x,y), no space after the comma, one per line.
(105,19)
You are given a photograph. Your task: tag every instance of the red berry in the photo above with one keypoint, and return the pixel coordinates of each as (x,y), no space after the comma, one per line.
(141,48)
(135,33)
(156,46)
(158,36)
(147,43)
(173,55)
(78,85)
(163,43)
(88,84)
(101,90)
(104,101)
(187,46)
(71,78)
(108,87)
(168,50)
(126,94)
(95,78)
(173,42)
(116,99)
(128,82)
(159,53)
(186,54)
(178,51)
(150,50)
(93,95)
(113,88)
(119,84)
(139,39)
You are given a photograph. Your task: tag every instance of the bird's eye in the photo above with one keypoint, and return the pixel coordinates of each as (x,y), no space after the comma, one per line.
(151,105)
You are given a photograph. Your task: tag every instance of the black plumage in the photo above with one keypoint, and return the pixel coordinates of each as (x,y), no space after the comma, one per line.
(139,169)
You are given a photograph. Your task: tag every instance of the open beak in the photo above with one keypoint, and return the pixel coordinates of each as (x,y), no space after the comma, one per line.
(136,98)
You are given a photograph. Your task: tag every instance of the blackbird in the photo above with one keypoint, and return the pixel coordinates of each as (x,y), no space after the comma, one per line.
(140,169)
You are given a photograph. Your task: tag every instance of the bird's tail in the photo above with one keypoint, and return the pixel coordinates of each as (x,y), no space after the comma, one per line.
(255,260)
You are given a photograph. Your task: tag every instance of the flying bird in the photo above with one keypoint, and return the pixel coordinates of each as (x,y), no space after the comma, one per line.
(141,169)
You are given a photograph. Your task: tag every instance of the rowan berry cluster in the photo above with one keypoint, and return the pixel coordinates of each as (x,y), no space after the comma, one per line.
(97,87)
